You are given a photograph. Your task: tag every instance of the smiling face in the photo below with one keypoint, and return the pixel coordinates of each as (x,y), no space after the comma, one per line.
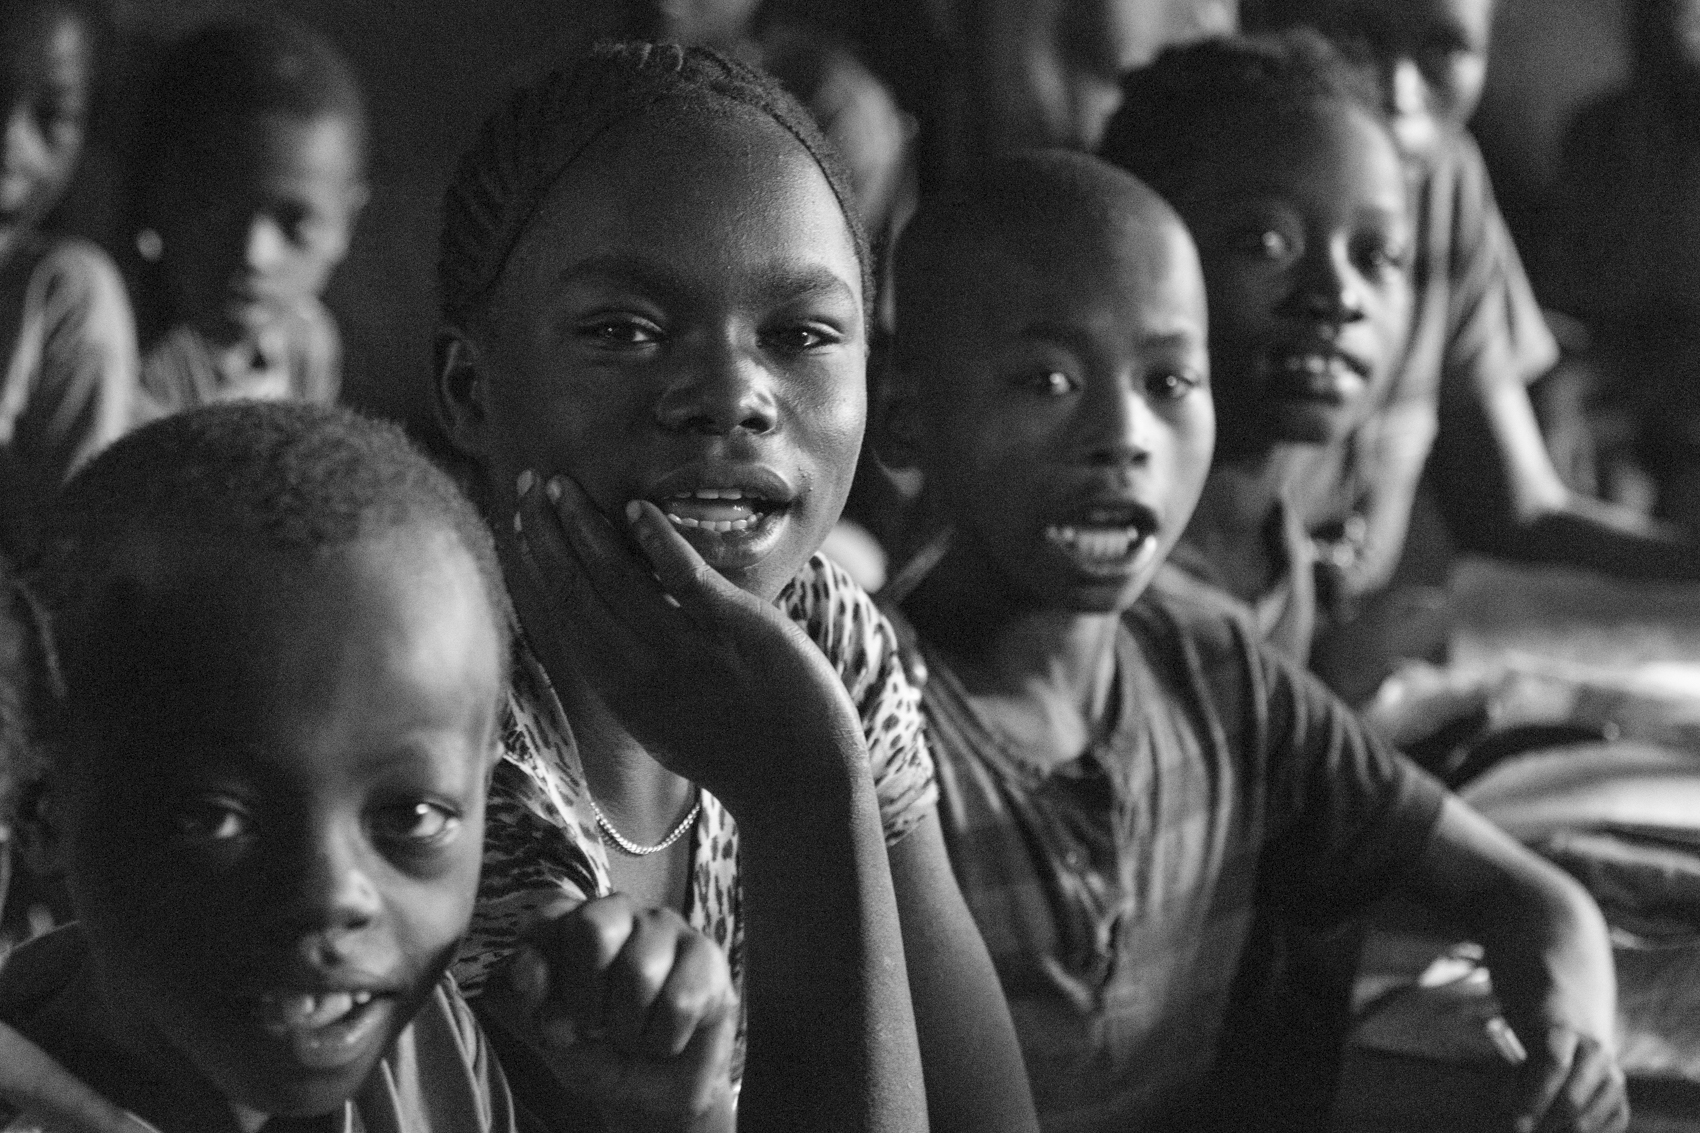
(683,323)
(1302,227)
(1431,54)
(46,75)
(273,831)
(258,223)
(1064,413)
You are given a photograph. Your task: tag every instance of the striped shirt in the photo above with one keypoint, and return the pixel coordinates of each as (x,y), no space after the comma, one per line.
(1118,893)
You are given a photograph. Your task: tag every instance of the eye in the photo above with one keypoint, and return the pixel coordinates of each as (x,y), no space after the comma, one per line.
(1170,385)
(800,338)
(1048,383)
(1265,243)
(415,824)
(614,333)
(213,822)
(1380,257)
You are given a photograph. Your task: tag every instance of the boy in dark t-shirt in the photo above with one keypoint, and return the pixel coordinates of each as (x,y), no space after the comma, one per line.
(1127,789)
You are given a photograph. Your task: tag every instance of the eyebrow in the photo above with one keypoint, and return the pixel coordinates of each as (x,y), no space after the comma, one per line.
(782,281)
(1072,339)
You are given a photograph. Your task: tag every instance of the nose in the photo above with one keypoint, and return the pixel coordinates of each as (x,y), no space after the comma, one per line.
(332,896)
(265,245)
(1119,425)
(717,392)
(1325,291)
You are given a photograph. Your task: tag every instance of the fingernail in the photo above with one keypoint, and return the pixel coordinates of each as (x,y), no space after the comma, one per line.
(553,489)
(525,482)
(634,510)
(519,524)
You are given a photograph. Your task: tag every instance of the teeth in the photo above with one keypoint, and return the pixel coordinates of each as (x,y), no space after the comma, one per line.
(718,525)
(303,1011)
(1105,544)
(715,494)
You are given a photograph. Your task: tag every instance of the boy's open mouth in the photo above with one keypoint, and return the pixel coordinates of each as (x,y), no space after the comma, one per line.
(719,510)
(1109,538)
(1322,374)
(323,1029)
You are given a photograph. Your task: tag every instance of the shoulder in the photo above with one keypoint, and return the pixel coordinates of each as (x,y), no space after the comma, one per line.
(1180,611)
(75,274)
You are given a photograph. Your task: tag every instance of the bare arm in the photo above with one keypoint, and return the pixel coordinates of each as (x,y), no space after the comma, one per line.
(975,1078)
(1551,961)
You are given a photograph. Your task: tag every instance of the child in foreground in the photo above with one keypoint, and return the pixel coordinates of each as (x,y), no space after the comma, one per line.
(1134,790)
(654,350)
(281,642)
(69,343)
(251,171)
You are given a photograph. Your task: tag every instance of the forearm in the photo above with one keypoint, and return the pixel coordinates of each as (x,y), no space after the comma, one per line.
(976,1082)
(1593,534)
(831,1031)
(1545,940)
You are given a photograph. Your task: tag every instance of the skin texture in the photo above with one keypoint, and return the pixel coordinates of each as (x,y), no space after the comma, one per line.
(1074,376)
(1305,242)
(316,823)
(46,75)
(256,223)
(686,312)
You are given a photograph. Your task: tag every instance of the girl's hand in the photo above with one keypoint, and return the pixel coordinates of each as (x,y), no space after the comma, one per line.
(1570,1084)
(633,1009)
(717,684)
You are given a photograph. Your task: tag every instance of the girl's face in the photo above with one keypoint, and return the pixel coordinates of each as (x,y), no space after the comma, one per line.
(1305,240)
(682,323)
(46,72)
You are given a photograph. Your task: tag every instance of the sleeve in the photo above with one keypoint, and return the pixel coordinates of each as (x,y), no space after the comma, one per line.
(80,399)
(1495,331)
(1346,814)
(530,861)
(860,642)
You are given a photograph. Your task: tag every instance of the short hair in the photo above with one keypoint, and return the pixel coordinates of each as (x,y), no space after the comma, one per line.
(1190,102)
(1025,191)
(525,147)
(226,73)
(96,18)
(287,478)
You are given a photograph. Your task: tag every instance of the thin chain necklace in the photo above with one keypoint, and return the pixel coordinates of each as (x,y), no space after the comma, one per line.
(632,847)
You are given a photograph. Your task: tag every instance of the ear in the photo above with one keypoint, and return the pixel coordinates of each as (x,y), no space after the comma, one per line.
(460,393)
(38,829)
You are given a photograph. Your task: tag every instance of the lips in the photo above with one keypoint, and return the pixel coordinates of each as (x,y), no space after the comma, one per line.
(323,1029)
(732,503)
(1314,372)
(1106,536)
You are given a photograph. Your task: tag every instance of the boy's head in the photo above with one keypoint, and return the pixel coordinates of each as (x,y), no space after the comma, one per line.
(1052,377)
(48,58)
(1429,55)
(254,171)
(280,631)
(1274,152)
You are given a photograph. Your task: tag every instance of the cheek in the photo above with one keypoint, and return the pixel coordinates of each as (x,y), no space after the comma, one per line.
(830,415)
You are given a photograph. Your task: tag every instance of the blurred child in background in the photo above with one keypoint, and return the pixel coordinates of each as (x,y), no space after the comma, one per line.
(250,166)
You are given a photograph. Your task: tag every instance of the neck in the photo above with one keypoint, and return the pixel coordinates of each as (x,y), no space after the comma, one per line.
(1240,496)
(1011,649)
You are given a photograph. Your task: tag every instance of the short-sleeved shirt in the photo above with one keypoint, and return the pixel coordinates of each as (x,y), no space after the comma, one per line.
(439,1076)
(1117,893)
(541,841)
(1475,324)
(70,378)
(297,357)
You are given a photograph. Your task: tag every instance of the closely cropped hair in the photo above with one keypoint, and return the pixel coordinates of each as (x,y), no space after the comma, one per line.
(290,478)
(1192,101)
(524,148)
(216,78)
(1029,191)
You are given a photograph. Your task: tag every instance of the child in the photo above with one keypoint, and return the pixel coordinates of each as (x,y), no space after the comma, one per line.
(1477,336)
(251,155)
(69,344)
(1309,292)
(269,889)
(655,294)
(1134,793)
